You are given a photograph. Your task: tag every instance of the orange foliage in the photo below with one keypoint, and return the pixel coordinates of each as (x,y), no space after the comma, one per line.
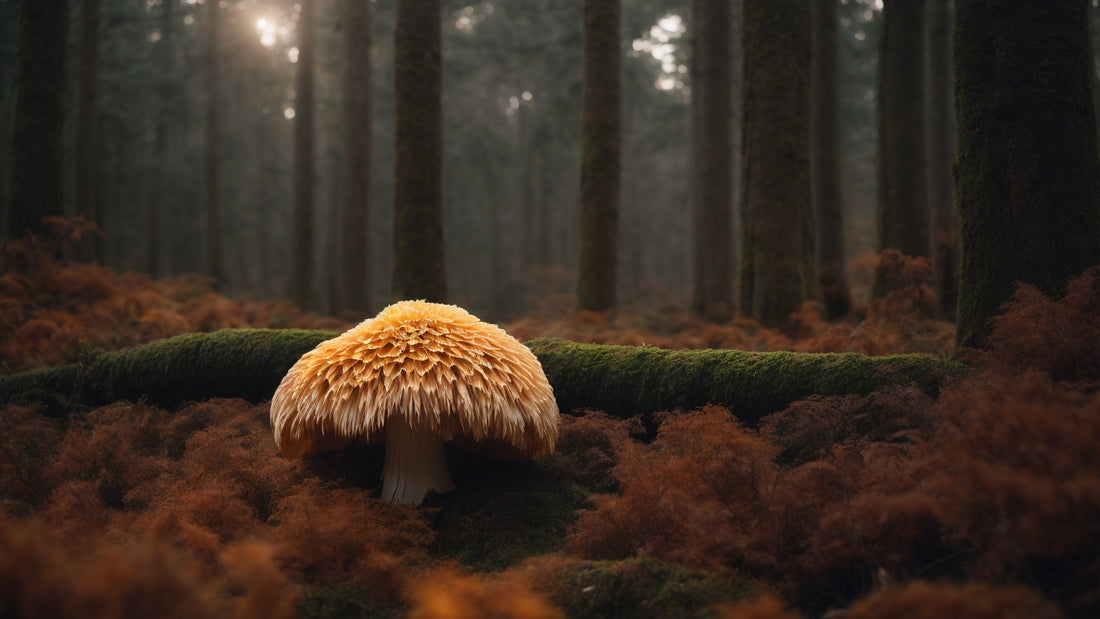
(54,312)
(901,322)
(692,497)
(343,536)
(40,577)
(924,600)
(1060,338)
(208,509)
(448,593)
(764,606)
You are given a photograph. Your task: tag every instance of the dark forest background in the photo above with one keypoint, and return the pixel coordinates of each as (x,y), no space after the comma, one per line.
(511,92)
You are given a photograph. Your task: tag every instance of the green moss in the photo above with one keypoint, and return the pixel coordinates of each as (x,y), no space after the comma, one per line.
(244,363)
(641,588)
(502,513)
(239,363)
(624,381)
(51,388)
(638,380)
(346,603)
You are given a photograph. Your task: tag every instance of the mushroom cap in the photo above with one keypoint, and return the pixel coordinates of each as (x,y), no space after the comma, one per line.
(435,365)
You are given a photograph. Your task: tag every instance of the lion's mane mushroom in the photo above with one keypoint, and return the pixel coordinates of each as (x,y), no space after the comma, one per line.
(416,375)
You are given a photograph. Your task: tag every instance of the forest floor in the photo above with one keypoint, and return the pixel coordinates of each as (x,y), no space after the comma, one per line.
(982,502)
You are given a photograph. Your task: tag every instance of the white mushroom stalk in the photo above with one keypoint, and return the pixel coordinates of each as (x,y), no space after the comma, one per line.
(415,464)
(415,375)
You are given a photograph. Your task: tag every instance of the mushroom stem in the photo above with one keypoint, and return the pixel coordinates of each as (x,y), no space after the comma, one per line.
(415,464)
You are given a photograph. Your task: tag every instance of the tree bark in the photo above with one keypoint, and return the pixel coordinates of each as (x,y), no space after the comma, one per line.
(712,182)
(164,94)
(621,380)
(301,212)
(941,154)
(1028,174)
(418,269)
(214,250)
(87,205)
(826,162)
(902,211)
(354,281)
(776,211)
(36,147)
(601,150)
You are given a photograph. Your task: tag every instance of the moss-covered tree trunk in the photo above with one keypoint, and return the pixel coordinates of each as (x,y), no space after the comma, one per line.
(712,175)
(301,210)
(36,147)
(826,161)
(622,380)
(902,211)
(1028,175)
(418,269)
(352,294)
(601,146)
(941,154)
(777,267)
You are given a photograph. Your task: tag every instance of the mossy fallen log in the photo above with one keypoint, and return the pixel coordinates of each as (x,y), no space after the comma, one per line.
(629,380)
(231,363)
(622,380)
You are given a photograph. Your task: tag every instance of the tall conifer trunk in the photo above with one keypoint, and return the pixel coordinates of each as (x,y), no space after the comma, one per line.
(87,203)
(601,147)
(826,161)
(712,183)
(164,100)
(941,154)
(1028,174)
(36,151)
(418,270)
(902,212)
(214,252)
(355,162)
(776,211)
(301,210)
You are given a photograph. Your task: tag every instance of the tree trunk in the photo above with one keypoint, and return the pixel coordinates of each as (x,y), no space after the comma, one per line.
(601,150)
(826,162)
(623,381)
(941,154)
(354,281)
(418,268)
(160,136)
(214,253)
(712,183)
(1028,174)
(36,151)
(777,219)
(902,211)
(301,209)
(87,205)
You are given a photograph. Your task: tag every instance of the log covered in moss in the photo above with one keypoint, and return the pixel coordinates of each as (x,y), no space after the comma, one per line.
(629,380)
(622,380)
(244,363)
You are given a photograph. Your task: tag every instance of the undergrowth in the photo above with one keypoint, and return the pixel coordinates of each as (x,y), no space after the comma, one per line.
(982,502)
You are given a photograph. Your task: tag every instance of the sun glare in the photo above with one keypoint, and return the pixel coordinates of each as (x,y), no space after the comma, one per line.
(662,43)
(269,32)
